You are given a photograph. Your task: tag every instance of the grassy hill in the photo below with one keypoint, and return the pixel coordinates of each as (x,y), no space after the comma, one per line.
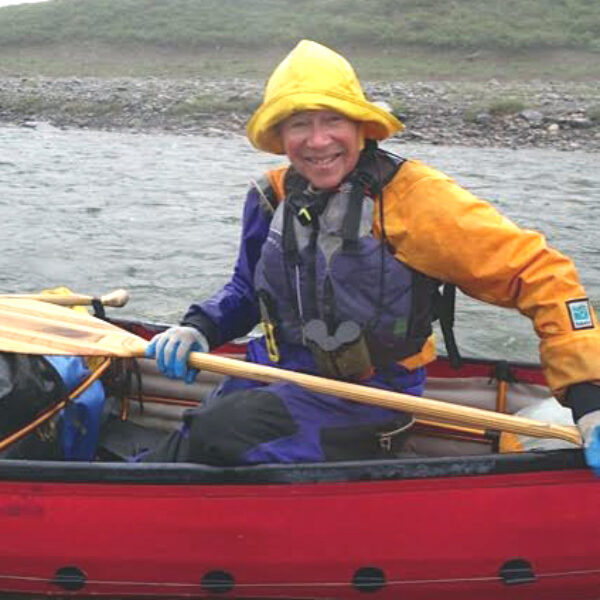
(385,38)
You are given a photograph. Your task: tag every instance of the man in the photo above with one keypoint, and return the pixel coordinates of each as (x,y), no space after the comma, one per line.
(340,258)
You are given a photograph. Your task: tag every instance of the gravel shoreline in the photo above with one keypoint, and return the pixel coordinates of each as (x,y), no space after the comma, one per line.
(558,115)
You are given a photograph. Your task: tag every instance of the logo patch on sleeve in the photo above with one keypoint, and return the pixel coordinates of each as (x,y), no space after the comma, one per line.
(580,314)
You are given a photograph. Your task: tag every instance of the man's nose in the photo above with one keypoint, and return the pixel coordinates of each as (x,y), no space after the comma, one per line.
(319,135)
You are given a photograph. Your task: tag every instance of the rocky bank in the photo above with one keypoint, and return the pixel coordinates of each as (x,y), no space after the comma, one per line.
(559,115)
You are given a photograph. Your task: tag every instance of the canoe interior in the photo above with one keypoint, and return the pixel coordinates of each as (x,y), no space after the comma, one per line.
(153,405)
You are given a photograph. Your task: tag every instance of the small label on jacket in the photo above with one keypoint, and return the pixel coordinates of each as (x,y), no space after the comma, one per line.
(580,314)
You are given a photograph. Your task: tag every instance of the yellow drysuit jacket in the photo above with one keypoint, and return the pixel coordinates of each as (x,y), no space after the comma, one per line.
(444,231)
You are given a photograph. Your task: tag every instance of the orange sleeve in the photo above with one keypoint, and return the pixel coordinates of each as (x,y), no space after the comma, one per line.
(446,232)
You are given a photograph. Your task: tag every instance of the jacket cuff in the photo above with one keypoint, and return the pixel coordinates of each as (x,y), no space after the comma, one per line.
(583,398)
(206,326)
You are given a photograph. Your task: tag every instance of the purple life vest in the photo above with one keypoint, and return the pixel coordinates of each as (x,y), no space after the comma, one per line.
(322,261)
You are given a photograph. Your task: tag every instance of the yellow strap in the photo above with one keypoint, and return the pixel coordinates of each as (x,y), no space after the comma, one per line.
(304,212)
(272,347)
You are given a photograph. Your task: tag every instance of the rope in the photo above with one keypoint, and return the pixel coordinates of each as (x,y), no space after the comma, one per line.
(47,415)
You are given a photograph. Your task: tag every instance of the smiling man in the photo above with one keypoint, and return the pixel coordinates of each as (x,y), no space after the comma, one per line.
(341,255)
(323,146)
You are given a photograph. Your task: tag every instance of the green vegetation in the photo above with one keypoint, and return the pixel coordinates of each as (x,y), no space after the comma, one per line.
(506,106)
(384,38)
(471,24)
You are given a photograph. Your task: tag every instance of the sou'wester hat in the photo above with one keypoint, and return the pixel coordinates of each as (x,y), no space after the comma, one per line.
(314,77)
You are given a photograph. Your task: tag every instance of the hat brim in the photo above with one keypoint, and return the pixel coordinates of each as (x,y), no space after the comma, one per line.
(263,133)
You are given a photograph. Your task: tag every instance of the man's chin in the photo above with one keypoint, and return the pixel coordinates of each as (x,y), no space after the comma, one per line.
(324,181)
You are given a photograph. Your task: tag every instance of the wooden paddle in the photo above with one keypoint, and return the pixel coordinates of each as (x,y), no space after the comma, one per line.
(31,327)
(116,298)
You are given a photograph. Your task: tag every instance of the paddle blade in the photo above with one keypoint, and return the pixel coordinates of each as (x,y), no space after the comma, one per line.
(116,298)
(34,327)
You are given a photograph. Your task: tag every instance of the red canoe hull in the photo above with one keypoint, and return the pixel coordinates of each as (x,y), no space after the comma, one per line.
(415,538)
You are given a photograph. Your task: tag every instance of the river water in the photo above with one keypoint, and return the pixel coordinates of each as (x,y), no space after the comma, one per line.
(159,215)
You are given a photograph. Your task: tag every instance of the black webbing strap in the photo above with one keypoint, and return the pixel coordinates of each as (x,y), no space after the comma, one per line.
(352,218)
(98,307)
(444,308)
(363,183)
(290,244)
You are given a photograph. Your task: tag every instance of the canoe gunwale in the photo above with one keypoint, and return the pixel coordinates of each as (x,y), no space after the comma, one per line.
(269,474)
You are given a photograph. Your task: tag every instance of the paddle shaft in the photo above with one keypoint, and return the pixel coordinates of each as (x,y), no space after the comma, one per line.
(421,407)
(116,298)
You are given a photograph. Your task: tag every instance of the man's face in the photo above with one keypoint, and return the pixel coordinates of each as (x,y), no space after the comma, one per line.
(322,145)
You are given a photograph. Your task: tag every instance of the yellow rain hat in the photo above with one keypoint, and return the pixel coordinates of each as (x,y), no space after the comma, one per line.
(314,77)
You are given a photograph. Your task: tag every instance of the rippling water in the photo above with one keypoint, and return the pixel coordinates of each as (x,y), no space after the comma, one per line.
(160,216)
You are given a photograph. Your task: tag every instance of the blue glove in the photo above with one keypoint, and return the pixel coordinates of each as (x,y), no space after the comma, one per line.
(589,426)
(592,451)
(172,349)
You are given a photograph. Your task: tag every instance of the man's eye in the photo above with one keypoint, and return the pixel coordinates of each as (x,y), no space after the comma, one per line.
(334,119)
(298,124)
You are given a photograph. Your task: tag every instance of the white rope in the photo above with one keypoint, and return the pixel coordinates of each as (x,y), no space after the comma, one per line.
(304,584)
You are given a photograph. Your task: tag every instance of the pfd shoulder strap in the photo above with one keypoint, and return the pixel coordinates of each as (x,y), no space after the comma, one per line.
(444,310)
(374,171)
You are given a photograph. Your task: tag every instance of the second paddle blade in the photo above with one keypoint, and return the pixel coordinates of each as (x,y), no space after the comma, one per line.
(33,327)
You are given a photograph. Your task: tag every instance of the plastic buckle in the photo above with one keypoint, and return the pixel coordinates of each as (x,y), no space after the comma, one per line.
(304,215)
(385,442)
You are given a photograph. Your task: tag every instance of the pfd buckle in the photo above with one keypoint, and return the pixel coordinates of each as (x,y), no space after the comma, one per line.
(304,215)
(385,442)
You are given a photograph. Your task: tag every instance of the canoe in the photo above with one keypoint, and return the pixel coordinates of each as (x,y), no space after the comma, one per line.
(450,516)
